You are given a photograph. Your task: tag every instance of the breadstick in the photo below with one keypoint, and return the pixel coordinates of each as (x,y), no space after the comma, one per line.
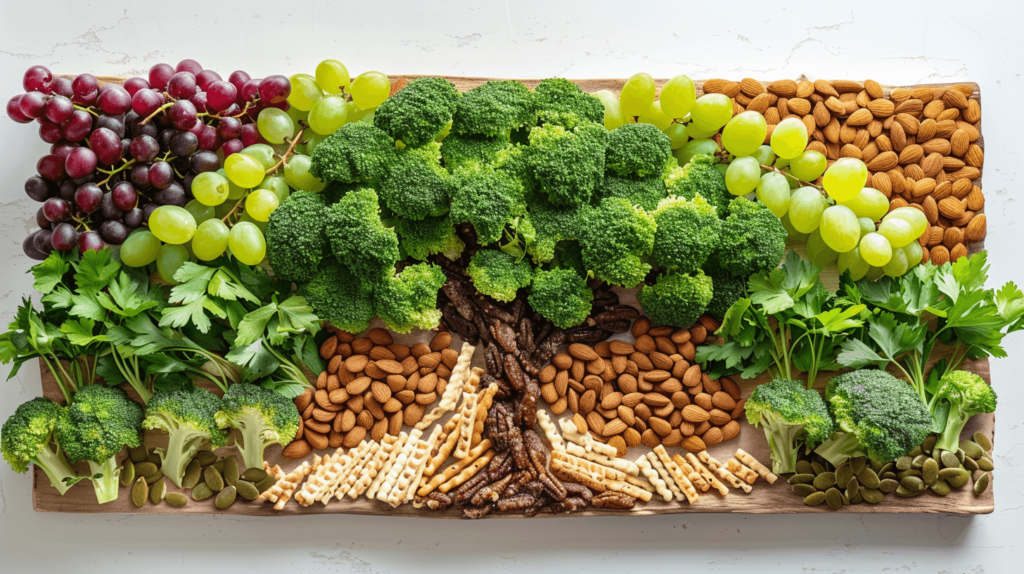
(336,474)
(410,479)
(400,463)
(460,374)
(317,482)
(548,426)
(677,474)
(454,469)
(637,481)
(468,412)
(352,474)
(627,488)
(482,406)
(597,469)
(444,446)
(621,464)
(691,473)
(468,472)
(665,476)
(273,494)
(570,433)
(371,469)
(652,475)
(757,466)
(705,473)
(722,473)
(575,471)
(741,470)
(396,449)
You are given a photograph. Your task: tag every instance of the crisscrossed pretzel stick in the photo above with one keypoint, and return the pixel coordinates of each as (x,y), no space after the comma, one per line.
(704,473)
(482,406)
(400,463)
(274,493)
(593,467)
(468,412)
(548,426)
(621,464)
(691,473)
(408,482)
(444,446)
(353,472)
(274,471)
(722,473)
(468,472)
(639,482)
(652,475)
(456,383)
(371,491)
(453,469)
(317,482)
(369,472)
(574,469)
(757,466)
(334,474)
(666,477)
(677,474)
(741,470)
(282,491)
(570,433)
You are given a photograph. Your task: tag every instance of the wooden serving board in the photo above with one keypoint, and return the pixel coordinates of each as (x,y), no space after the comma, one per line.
(765,499)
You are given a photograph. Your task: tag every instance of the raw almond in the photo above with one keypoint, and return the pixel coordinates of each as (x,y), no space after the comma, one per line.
(723,400)
(621,348)
(449,357)
(692,376)
(329,346)
(297,449)
(430,360)
(977,228)
(356,363)
(713,436)
(695,414)
(583,352)
(730,430)
(951,208)
(719,417)
(302,401)
(380,353)
(442,340)
(613,427)
(659,426)
(693,444)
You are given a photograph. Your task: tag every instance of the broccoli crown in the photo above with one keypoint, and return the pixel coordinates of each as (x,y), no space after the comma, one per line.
(887,416)
(551,224)
(98,423)
(488,199)
(428,236)
(27,432)
(788,402)
(616,236)
(357,152)
(262,417)
(968,392)
(567,164)
(561,296)
(188,408)
(637,149)
(335,190)
(752,238)
(296,236)
(687,233)
(416,186)
(339,297)
(495,108)
(562,102)
(498,274)
(359,238)
(417,113)
(647,192)
(514,161)
(461,150)
(408,300)
(569,255)
(727,289)
(699,176)
(676,298)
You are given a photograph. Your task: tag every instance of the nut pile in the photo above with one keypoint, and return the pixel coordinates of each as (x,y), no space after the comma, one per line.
(646,392)
(920,145)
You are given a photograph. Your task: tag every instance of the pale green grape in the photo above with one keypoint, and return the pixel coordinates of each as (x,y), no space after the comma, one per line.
(296,173)
(866,225)
(916,218)
(839,228)
(793,236)
(328,114)
(225,208)
(897,265)
(247,243)
(869,203)
(809,165)
(695,147)
(275,126)
(742,175)
(261,225)
(305,92)
(210,240)
(845,178)
(234,191)
(261,203)
(210,188)
(764,155)
(805,208)
(773,191)
(170,260)
(818,250)
(612,109)
(262,153)
(332,76)
(712,111)
(722,168)
(637,94)
(199,211)
(140,249)
(789,138)
(794,183)
(914,254)
(678,96)
(278,185)
(852,261)
(781,163)
(677,135)
(875,273)
(875,249)
(744,133)
(696,132)
(243,170)
(172,224)
(297,115)
(898,231)
(312,140)
(357,115)
(370,89)
(654,116)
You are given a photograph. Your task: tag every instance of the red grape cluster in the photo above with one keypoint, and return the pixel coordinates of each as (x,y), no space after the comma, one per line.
(119,152)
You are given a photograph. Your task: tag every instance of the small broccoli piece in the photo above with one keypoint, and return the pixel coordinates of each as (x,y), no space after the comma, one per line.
(637,149)
(408,300)
(792,416)
(494,109)
(514,161)
(336,190)
(701,176)
(687,233)
(569,255)
(567,164)
(357,152)
(561,296)
(498,274)
(884,416)
(752,238)
(428,236)
(296,236)
(98,423)
(359,238)
(262,418)
(562,102)
(616,236)
(727,289)
(416,186)
(647,192)
(188,416)
(420,111)
(551,224)
(339,297)
(26,437)
(488,199)
(968,395)
(462,150)
(676,298)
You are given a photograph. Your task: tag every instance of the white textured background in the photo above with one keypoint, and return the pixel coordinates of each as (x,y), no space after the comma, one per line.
(938,41)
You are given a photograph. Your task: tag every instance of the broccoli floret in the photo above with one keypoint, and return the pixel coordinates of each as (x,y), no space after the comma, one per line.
(98,423)
(551,225)
(968,395)
(339,297)
(461,150)
(562,102)
(26,437)
(408,300)
(752,238)
(188,416)
(416,186)
(262,418)
(879,415)
(428,236)
(687,233)
(567,164)
(296,236)
(336,190)
(359,238)
(792,416)
(495,108)
(647,192)
(569,255)
(561,296)
(701,176)
(637,149)
(615,237)
(514,161)
(420,111)
(488,199)
(498,274)
(676,298)
(357,152)
(727,289)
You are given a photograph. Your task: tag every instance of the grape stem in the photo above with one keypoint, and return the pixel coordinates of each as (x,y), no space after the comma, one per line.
(77,107)
(795,178)
(111,173)
(233,209)
(156,113)
(291,148)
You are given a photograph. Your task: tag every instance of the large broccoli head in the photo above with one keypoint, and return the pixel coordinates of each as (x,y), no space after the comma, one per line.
(262,418)
(699,175)
(359,238)
(616,236)
(495,108)
(676,298)
(296,236)
(416,186)
(727,289)
(567,163)
(561,296)
(551,225)
(188,416)
(637,149)
(461,150)
(428,236)
(687,233)
(647,192)
(562,102)
(408,300)
(488,199)
(791,416)
(752,238)
(357,152)
(498,274)
(25,438)
(417,113)
(967,394)
(339,297)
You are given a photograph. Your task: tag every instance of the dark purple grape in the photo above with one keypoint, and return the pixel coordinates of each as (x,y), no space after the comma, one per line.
(112,123)
(159,74)
(164,139)
(139,176)
(80,162)
(113,232)
(14,110)
(64,237)
(32,103)
(232,146)
(41,240)
(135,84)
(250,91)
(209,139)
(67,190)
(148,129)
(275,89)
(202,161)
(40,189)
(198,127)
(84,84)
(183,114)
(232,110)
(86,100)
(89,197)
(50,132)
(114,100)
(205,78)
(148,210)
(124,195)
(36,79)
(108,209)
(173,195)
(187,184)
(61,87)
(41,220)
(133,218)
(182,85)
(161,175)
(90,241)
(63,149)
(229,128)
(183,144)
(58,109)
(78,126)
(29,247)
(199,101)
(126,147)
(189,65)
(51,167)
(220,96)
(250,135)
(107,146)
(238,78)
(144,148)
(145,102)
(56,210)
(283,106)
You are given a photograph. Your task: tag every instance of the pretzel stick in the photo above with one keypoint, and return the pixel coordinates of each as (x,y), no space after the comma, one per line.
(575,471)
(705,473)
(285,481)
(741,470)
(722,473)
(316,483)
(338,472)
(483,405)
(468,472)
(588,442)
(593,467)
(400,463)
(620,464)
(444,446)
(637,481)
(626,488)
(454,389)
(453,469)
(371,469)
(652,475)
(676,473)
(410,479)
(691,473)
(757,466)
(468,411)
(666,476)
(378,480)
(548,426)
(352,474)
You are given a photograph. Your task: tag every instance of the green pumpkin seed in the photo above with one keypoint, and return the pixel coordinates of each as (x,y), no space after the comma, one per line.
(985,463)
(928,444)
(817,468)
(205,458)
(843,475)
(852,489)
(941,487)
(982,441)
(889,475)
(905,473)
(824,481)
(981,485)
(956,477)
(857,464)
(871,495)
(949,460)
(201,491)
(140,492)
(802,467)
(138,454)
(842,497)
(213,478)
(157,491)
(930,471)
(915,451)
(972,449)
(960,454)
(266,483)
(801,479)
(145,468)
(868,479)
(888,485)
(876,465)
(887,467)
(192,474)
(127,473)
(976,475)
(912,483)
(219,465)
(255,475)
(834,499)
(815,499)
(176,499)
(907,493)
(230,470)
(904,463)
(970,464)
(155,457)
(856,499)
(225,498)
(155,477)
(248,490)
(937,455)
(918,461)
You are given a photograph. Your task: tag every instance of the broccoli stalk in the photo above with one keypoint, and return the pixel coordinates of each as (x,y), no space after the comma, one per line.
(262,418)
(840,447)
(967,395)
(792,417)
(105,477)
(25,438)
(189,417)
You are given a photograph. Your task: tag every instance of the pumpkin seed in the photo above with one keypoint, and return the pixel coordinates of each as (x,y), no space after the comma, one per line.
(815,499)
(157,491)
(231,470)
(213,478)
(219,465)
(192,474)
(804,467)
(970,464)
(155,457)
(903,463)
(871,495)
(868,479)
(918,461)
(876,465)
(887,467)
(888,485)
(985,463)
(834,499)
(981,484)
(852,489)
(972,449)
(912,483)
(842,497)
(856,499)
(145,468)
(937,456)
(889,475)
(824,481)
(949,460)
(254,475)
(928,444)
(138,454)
(205,458)
(266,483)
(905,473)
(914,452)
(248,490)
(956,477)
(982,441)
(225,498)
(817,468)
(140,492)
(176,499)
(801,479)
(930,471)
(843,475)
(201,491)
(906,493)
(155,477)
(127,473)
(857,464)
(941,487)
(960,454)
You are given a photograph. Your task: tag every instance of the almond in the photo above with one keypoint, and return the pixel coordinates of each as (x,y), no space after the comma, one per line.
(660,426)
(640,326)
(729,386)
(730,430)
(595,422)
(316,440)
(409,366)
(951,207)
(960,250)
(381,353)
(338,396)
(613,427)
(723,400)
(692,376)
(650,439)
(329,346)
(378,430)
(713,436)
(583,352)
(645,344)
(719,417)
(611,400)
(860,117)
(783,88)
(954,99)
(751,87)
(693,444)
(975,156)
(695,414)
(302,401)
(657,400)
(297,449)
(361,346)
(358,386)
(379,337)
(413,414)
(381,392)
(430,360)
(621,348)
(596,367)
(559,406)
(356,363)
(354,437)
(976,229)
(425,399)
(587,402)
(442,340)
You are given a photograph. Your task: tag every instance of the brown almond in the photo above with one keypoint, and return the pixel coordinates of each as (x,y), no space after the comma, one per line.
(723,400)
(329,346)
(695,414)
(338,396)
(730,387)
(302,401)
(621,348)
(656,400)
(613,427)
(354,437)
(693,444)
(730,430)
(379,337)
(381,392)
(976,229)
(442,340)
(358,386)
(719,417)
(426,398)
(659,426)
(297,449)
(449,358)
(430,360)
(692,377)
(611,400)
(379,353)
(356,363)
(713,436)
(587,402)
(595,422)
(951,208)
(581,423)
(583,352)
(640,326)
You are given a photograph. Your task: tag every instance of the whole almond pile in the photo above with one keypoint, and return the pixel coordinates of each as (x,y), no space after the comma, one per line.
(373,386)
(646,392)
(920,145)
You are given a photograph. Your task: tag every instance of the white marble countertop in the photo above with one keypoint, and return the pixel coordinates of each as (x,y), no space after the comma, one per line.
(938,41)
